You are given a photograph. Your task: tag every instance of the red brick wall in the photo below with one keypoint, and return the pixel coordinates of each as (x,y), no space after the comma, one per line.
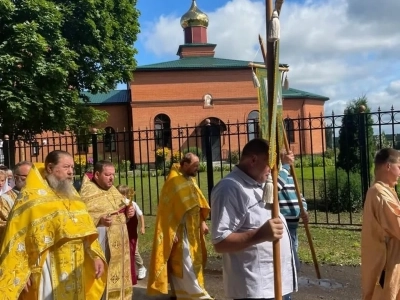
(49,141)
(179,94)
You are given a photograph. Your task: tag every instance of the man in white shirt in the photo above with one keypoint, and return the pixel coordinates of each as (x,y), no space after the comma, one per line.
(243,229)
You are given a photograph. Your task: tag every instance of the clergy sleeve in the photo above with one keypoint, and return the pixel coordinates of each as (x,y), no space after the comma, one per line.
(388,213)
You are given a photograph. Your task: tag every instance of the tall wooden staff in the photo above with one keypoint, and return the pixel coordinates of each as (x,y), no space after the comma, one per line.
(296,183)
(271,63)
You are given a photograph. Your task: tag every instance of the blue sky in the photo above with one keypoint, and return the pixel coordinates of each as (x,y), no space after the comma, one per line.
(151,10)
(342,49)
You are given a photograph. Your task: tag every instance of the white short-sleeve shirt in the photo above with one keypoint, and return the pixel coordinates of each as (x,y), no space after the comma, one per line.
(237,206)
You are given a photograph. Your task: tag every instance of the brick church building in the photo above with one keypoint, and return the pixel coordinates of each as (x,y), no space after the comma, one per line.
(169,102)
(198,87)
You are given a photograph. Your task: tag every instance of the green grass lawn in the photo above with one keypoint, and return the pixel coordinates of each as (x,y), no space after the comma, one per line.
(316,173)
(148,187)
(333,244)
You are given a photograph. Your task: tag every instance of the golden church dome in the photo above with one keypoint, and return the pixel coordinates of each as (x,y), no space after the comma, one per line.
(194,17)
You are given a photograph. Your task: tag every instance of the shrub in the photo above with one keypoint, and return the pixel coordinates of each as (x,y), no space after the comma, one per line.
(307,161)
(143,167)
(303,161)
(320,161)
(124,166)
(202,167)
(163,152)
(233,157)
(162,155)
(330,153)
(194,150)
(80,164)
(176,156)
(343,192)
(224,167)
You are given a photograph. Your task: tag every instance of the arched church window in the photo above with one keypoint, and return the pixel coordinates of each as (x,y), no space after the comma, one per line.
(110,140)
(252,124)
(162,131)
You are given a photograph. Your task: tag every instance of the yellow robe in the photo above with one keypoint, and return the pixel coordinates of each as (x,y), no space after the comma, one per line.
(42,224)
(5,208)
(380,244)
(180,197)
(99,203)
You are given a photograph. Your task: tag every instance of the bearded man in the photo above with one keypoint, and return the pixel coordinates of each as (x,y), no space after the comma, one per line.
(50,248)
(7,200)
(179,254)
(107,207)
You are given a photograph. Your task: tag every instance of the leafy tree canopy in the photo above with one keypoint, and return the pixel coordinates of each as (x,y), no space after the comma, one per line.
(52,50)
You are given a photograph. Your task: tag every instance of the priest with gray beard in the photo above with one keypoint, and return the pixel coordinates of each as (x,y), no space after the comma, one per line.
(50,226)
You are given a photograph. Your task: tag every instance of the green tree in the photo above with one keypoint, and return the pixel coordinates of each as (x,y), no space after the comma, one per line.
(52,50)
(381,141)
(349,157)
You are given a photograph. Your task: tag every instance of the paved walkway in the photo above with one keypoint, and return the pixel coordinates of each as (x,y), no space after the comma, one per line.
(339,283)
(139,292)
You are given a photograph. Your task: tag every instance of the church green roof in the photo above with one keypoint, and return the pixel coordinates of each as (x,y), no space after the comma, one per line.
(190,63)
(193,63)
(122,96)
(299,94)
(111,98)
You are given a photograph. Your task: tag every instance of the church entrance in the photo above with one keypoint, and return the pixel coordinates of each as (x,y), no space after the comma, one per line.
(212,128)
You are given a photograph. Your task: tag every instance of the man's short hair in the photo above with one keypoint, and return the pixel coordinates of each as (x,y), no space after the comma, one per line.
(187,158)
(387,155)
(255,147)
(54,157)
(99,166)
(20,164)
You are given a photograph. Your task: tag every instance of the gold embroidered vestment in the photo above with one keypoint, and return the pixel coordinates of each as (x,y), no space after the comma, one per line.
(43,226)
(99,203)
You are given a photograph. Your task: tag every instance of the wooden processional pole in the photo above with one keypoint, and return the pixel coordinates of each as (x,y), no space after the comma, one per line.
(270,64)
(296,184)
(269,60)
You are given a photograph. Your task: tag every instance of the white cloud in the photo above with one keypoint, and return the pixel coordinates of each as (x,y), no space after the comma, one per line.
(342,49)
(394,88)
(163,36)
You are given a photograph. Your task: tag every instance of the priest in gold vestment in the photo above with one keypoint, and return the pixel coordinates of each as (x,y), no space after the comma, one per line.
(109,212)
(179,253)
(7,199)
(380,236)
(50,248)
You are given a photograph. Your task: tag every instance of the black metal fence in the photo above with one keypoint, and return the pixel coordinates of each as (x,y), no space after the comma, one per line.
(142,158)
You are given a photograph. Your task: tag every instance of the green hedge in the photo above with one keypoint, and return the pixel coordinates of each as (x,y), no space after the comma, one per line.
(343,191)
